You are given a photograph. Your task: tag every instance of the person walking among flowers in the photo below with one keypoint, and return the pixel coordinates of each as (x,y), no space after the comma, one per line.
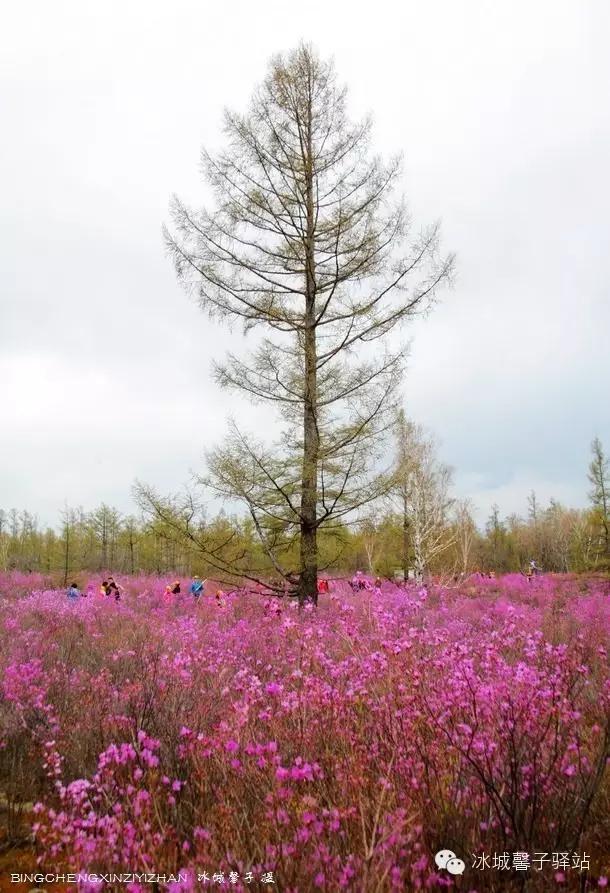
(197,587)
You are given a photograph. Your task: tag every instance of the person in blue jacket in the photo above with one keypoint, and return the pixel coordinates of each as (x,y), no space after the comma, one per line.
(197,587)
(73,591)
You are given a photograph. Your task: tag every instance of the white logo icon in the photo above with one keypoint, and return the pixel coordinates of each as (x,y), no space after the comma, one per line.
(448,861)
(456,866)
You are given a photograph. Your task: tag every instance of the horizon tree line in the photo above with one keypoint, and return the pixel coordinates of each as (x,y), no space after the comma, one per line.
(417,528)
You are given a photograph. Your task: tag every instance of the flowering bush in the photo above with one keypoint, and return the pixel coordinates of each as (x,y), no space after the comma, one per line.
(338,748)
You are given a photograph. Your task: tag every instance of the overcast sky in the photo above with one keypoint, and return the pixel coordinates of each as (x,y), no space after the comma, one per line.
(501,110)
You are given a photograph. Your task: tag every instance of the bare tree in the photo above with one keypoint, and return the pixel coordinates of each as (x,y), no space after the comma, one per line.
(4,540)
(407,435)
(130,529)
(369,530)
(307,241)
(69,519)
(584,540)
(498,551)
(104,524)
(430,503)
(599,477)
(560,525)
(420,492)
(465,533)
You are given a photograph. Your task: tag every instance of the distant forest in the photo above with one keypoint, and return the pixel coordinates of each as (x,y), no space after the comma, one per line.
(417,528)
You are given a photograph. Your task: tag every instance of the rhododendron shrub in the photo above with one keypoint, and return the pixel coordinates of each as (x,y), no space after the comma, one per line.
(339,748)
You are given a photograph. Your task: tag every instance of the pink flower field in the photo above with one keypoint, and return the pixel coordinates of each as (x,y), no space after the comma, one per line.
(249,745)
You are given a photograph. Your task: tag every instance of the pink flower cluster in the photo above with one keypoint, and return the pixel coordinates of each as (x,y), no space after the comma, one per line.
(338,748)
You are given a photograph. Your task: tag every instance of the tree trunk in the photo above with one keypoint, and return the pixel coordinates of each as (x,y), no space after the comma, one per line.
(605,526)
(406,542)
(308,581)
(67,556)
(104,545)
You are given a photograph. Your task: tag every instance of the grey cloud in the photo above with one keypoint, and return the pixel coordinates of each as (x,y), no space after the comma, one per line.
(502,112)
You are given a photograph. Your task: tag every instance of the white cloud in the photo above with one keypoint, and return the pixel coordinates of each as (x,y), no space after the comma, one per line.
(502,113)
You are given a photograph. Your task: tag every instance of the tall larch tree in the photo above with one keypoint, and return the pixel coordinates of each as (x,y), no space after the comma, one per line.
(307,240)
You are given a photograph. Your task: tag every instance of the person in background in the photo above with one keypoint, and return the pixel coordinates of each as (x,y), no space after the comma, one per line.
(173,588)
(104,588)
(197,587)
(358,582)
(112,588)
(532,570)
(73,591)
(322,586)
